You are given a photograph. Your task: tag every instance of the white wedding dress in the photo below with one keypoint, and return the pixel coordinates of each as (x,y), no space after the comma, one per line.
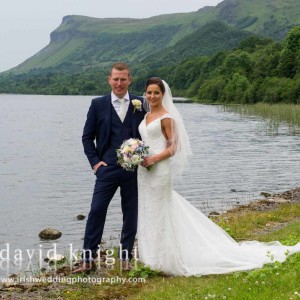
(175,237)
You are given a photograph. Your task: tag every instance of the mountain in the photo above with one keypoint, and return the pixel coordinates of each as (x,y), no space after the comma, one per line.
(88,42)
(81,49)
(209,39)
(83,42)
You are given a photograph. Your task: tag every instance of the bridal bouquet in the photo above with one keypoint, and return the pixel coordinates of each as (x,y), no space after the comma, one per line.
(131,153)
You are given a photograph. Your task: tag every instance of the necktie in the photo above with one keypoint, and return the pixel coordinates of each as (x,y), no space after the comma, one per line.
(122,109)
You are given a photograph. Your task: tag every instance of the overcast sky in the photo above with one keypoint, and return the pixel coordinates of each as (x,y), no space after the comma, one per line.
(25,25)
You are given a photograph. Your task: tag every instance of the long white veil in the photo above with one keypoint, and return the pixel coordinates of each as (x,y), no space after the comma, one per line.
(179,134)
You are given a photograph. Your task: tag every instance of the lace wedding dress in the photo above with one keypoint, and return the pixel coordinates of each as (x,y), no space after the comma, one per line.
(176,238)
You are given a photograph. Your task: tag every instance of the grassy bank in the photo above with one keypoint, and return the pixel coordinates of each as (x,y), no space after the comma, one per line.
(276,113)
(274,281)
(264,221)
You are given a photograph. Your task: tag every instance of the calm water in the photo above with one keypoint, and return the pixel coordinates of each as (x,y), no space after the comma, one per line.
(46,181)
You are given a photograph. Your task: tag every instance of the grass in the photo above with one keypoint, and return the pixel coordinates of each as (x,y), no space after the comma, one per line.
(56,53)
(243,224)
(274,281)
(277,281)
(277,114)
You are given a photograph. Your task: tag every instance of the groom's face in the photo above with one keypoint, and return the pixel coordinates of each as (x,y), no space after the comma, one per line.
(119,82)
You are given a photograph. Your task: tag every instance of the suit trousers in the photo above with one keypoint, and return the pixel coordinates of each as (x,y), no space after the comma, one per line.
(108,180)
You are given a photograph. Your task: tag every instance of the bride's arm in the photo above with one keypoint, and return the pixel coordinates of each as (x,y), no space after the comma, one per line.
(167,125)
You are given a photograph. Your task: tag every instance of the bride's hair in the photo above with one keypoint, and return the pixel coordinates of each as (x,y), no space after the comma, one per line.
(157,81)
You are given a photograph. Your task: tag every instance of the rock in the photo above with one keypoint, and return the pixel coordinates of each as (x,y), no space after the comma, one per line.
(80,217)
(266,195)
(56,258)
(213,213)
(293,195)
(278,200)
(263,205)
(50,234)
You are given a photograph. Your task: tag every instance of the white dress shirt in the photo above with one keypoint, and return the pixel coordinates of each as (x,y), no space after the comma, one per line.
(117,105)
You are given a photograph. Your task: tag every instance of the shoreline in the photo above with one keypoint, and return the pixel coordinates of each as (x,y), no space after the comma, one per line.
(270,202)
(44,290)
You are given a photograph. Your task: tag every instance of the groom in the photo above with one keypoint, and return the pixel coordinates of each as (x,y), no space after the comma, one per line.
(111,119)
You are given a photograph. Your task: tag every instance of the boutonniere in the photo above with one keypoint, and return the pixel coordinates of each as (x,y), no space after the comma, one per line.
(137,104)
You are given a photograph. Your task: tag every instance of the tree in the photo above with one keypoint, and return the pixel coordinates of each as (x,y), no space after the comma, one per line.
(290,54)
(236,88)
(212,90)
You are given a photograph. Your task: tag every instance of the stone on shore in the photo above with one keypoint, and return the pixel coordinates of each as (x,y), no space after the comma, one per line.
(80,217)
(58,258)
(50,234)
(214,214)
(266,195)
(278,200)
(292,195)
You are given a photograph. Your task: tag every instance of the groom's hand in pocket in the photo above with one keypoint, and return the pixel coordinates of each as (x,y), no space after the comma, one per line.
(98,165)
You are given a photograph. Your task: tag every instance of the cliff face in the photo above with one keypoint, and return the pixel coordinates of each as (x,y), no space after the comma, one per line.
(72,28)
(64,36)
(85,41)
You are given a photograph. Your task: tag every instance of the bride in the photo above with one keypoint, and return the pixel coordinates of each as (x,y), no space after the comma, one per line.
(174,236)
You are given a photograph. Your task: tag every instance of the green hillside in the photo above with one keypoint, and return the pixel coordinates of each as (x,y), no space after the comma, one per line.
(84,42)
(207,40)
(269,18)
(81,42)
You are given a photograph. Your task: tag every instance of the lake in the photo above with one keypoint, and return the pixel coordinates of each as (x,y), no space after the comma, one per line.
(46,181)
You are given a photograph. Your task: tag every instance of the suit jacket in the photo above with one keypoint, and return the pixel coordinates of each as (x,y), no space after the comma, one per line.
(98,126)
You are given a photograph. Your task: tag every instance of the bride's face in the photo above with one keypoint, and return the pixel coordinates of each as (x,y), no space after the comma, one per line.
(154,95)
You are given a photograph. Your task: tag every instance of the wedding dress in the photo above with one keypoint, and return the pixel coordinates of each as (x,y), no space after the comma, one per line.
(178,239)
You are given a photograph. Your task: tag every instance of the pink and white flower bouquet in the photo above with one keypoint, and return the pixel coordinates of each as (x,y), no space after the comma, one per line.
(131,153)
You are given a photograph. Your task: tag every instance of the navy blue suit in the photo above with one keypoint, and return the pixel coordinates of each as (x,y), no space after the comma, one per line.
(104,125)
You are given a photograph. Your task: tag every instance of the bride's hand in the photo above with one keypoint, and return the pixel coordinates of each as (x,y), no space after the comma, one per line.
(148,161)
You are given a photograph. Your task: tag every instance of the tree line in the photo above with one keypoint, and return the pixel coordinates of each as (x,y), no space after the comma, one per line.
(259,70)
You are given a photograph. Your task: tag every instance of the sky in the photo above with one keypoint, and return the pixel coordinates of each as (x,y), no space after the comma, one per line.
(25,25)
